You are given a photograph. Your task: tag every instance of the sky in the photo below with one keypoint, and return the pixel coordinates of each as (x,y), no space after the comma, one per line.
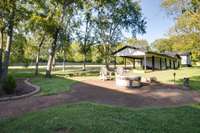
(158,22)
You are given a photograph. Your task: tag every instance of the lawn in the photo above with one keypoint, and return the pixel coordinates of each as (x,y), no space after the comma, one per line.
(54,85)
(192,72)
(166,76)
(62,81)
(94,118)
(49,86)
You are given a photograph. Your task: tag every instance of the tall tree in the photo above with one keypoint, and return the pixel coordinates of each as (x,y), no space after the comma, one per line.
(112,19)
(15,12)
(41,26)
(11,17)
(85,32)
(62,8)
(2,31)
(187,26)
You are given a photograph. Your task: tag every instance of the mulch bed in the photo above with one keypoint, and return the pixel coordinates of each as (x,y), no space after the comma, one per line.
(21,89)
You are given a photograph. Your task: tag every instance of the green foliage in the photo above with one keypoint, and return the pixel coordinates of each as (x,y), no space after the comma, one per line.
(185,34)
(9,84)
(162,45)
(139,43)
(95,55)
(180,43)
(26,62)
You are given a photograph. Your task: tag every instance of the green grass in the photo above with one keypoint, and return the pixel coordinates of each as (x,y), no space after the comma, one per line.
(57,85)
(93,118)
(60,81)
(166,76)
(53,85)
(49,86)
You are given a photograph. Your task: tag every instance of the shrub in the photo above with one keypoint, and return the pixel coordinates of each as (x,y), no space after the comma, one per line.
(9,84)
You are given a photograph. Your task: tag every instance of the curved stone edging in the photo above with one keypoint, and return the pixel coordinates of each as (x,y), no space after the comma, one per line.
(37,89)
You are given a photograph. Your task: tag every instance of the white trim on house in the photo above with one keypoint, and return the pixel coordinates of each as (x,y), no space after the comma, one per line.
(148,59)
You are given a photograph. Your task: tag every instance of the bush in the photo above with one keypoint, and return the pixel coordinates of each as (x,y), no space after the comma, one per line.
(9,85)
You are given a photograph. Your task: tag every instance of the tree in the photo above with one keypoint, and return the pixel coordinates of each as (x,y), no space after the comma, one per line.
(14,13)
(11,17)
(2,31)
(17,50)
(162,45)
(41,26)
(112,19)
(187,26)
(61,8)
(85,32)
(139,43)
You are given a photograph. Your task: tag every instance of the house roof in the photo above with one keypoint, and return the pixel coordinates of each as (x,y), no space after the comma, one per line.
(172,54)
(169,55)
(185,53)
(128,46)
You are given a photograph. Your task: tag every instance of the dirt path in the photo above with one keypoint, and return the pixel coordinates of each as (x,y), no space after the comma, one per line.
(104,92)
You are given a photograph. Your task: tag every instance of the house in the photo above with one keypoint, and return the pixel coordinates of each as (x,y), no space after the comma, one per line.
(149,59)
(186,59)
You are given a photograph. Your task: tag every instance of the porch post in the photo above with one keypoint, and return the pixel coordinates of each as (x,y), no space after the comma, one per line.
(145,62)
(170,63)
(165,63)
(174,64)
(153,63)
(160,63)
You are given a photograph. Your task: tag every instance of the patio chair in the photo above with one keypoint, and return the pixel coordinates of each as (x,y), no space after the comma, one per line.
(105,74)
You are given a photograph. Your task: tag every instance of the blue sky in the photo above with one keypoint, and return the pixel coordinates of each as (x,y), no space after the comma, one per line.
(158,23)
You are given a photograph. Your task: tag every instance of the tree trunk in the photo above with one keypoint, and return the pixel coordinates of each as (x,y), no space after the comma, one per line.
(49,66)
(38,56)
(8,44)
(52,54)
(107,64)
(1,52)
(64,59)
(55,37)
(37,62)
(54,63)
(106,56)
(84,62)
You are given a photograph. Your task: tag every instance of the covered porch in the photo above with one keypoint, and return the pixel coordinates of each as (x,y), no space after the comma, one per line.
(146,60)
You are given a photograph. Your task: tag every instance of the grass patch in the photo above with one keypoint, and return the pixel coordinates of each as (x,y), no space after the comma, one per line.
(53,85)
(49,86)
(93,118)
(166,76)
